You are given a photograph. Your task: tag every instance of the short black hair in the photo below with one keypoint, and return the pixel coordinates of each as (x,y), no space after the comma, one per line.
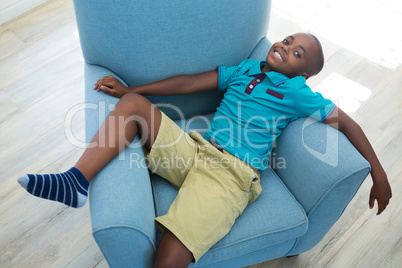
(320,59)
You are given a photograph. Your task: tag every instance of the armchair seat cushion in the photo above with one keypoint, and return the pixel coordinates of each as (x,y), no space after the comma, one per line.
(275,216)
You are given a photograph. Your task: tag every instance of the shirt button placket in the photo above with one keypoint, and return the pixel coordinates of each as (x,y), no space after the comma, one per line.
(254,83)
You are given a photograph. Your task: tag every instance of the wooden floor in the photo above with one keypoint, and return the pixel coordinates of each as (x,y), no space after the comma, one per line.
(41,74)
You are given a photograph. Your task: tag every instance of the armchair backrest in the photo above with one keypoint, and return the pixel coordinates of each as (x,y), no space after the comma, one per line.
(147,40)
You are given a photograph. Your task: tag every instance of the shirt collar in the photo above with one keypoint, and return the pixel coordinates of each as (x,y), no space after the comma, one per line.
(256,67)
(275,77)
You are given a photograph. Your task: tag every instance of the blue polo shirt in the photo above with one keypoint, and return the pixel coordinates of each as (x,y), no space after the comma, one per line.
(257,106)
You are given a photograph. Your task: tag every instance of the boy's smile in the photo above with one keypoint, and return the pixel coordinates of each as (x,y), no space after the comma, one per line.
(278,55)
(296,55)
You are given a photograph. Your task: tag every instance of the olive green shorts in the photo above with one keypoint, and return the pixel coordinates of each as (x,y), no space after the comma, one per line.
(214,187)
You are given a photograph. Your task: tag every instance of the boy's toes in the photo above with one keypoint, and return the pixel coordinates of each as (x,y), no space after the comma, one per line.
(23,181)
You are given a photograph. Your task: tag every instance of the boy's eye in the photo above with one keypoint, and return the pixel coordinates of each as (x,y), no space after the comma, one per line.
(286,41)
(297,54)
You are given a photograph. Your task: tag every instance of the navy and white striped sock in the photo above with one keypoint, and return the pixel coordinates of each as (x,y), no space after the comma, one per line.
(70,188)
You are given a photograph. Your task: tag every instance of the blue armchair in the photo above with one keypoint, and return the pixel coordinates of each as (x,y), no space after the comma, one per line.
(312,178)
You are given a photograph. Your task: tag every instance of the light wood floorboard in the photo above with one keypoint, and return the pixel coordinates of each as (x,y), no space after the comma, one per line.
(41,74)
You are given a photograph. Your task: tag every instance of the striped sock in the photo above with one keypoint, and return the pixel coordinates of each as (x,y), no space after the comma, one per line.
(70,188)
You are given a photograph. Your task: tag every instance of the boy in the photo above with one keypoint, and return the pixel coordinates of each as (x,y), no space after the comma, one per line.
(260,99)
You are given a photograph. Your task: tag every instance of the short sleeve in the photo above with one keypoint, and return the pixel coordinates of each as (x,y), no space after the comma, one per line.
(226,74)
(313,104)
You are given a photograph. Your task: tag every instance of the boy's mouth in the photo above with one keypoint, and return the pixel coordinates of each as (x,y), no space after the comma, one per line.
(278,55)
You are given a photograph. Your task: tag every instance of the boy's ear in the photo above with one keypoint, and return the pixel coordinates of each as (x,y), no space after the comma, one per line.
(305,75)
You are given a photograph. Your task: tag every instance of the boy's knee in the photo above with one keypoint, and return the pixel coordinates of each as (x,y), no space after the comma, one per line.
(133,100)
(131,97)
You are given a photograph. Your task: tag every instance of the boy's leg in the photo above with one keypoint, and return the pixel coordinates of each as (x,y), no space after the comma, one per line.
(133,114)
(215,192)
(172,157)
(172,252)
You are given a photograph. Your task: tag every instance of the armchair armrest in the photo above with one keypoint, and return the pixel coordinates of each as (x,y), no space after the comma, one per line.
(120,196)
(322,169)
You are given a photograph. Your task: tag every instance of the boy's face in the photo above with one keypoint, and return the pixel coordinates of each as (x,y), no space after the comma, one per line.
(296,55)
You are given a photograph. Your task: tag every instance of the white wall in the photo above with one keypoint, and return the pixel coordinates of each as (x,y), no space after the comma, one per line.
(10,9)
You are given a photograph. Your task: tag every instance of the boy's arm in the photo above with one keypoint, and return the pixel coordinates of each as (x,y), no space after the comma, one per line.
(381,189)
(178,85)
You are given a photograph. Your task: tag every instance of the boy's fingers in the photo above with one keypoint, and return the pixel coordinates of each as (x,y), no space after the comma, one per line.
(97,84)
(371,201)
(381,208)
(108,83)
(98,87)
(101,81)
(106,89)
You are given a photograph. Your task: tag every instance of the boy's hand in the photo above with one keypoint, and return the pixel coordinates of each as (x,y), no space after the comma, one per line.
(381,191)
(111,86)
